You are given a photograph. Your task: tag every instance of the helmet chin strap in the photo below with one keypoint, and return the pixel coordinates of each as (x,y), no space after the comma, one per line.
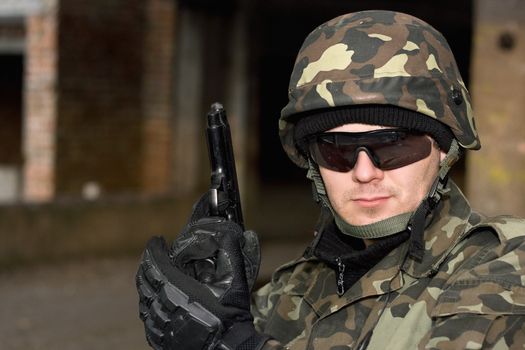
(413,221)
(416,224)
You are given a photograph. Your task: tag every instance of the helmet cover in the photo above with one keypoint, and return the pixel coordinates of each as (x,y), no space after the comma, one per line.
(377,58)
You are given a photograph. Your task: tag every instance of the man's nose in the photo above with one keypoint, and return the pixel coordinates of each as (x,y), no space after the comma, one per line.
(364,169)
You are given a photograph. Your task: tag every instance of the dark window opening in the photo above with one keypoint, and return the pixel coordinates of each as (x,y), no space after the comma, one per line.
(11,86)
(11,68)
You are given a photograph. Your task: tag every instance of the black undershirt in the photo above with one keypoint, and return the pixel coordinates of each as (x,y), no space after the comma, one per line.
(349,257)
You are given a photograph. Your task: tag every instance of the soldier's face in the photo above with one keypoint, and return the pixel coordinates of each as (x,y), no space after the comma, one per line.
(367,194)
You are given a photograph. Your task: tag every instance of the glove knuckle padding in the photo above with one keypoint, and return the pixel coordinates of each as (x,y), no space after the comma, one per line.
(146,293)
(154,334)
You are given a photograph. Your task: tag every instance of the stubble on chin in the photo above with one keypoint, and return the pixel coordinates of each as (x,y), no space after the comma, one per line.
(363,216)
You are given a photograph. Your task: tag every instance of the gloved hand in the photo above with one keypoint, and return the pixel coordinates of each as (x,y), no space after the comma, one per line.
(196,295)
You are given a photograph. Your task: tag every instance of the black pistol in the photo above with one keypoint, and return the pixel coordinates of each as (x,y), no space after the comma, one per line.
(224,196)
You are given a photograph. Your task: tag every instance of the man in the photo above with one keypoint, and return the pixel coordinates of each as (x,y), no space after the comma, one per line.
(377,113)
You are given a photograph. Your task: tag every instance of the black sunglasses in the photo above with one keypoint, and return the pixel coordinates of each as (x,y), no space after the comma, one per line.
(387,148)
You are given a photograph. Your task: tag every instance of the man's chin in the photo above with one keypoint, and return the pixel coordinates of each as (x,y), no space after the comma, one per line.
(368,217)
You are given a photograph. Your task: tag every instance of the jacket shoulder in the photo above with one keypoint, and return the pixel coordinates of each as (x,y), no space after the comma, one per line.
(490,280)
(507,227)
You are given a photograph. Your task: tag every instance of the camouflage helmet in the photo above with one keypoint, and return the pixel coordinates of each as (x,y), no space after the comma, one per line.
(377,58)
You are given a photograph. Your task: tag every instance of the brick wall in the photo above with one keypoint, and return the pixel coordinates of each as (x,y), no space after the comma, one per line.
(98,98)
(157,95)
(99,107)
(40,104)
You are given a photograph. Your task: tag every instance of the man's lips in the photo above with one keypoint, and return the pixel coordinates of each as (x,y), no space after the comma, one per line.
(371,201)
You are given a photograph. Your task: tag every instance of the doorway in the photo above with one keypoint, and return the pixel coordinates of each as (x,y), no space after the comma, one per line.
(11,90)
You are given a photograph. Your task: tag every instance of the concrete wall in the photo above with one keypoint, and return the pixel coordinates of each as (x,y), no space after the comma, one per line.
(496,173)
(72,229)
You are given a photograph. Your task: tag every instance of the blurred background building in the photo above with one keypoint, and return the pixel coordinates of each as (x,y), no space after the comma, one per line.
(103,105)
(102,118)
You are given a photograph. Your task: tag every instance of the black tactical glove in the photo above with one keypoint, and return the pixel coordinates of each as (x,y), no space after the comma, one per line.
(196,295)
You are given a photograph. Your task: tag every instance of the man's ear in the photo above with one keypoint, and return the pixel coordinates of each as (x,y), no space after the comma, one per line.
(442,155)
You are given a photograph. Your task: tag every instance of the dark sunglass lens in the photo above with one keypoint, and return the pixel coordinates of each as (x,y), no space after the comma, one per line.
(408,150)
(330,156)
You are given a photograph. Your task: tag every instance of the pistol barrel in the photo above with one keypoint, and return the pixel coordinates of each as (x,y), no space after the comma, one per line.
(223,172)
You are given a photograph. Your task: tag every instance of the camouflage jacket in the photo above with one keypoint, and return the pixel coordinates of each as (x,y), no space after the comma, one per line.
(467,293)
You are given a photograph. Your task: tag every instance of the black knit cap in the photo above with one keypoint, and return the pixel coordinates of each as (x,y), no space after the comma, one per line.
(384,115)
